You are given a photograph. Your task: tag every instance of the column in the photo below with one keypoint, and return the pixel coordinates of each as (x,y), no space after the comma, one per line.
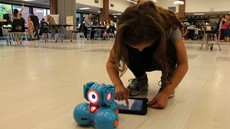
(104,15)
(66,8)
(53,6)
(181,14)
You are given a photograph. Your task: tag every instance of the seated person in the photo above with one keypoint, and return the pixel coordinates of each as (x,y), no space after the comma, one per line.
(52,23)
(44,27)
(18,27)
(83,29)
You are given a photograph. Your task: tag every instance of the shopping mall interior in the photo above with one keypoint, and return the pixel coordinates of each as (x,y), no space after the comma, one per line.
(45,72)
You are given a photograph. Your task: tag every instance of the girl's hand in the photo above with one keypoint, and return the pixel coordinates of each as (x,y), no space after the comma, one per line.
(122,93)
(160,101)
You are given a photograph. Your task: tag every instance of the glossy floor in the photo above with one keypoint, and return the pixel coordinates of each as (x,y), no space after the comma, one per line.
(40,87)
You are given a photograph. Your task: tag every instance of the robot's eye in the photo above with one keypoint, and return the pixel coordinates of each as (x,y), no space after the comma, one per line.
(109,96)
(93,96)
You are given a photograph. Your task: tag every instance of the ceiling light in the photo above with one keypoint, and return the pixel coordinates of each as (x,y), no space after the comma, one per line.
(132,1)
(28,0)
(178,2)
(198,14)
(84,8)
(135,1)
(38,11)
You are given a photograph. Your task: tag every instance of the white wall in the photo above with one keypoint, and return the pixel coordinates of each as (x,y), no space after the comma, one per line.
(91,3)
(119,5)
(190,5)
(167,3)
(199,5)
(205,5)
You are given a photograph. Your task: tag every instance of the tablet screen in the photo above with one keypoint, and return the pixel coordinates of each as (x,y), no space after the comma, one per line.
(134,104)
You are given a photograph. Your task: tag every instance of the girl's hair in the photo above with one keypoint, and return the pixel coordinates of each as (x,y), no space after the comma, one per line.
(144,23)
(51,20)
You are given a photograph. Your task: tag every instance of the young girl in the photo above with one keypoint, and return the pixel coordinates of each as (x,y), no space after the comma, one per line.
(30,28)
(148,38)
(52,23)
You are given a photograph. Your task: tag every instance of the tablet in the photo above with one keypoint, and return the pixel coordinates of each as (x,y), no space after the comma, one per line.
(136,106)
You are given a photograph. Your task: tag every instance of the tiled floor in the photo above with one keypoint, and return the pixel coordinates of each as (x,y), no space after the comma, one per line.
(40,87)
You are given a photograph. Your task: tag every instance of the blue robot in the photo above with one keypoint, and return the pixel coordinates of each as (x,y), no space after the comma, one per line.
(101,111)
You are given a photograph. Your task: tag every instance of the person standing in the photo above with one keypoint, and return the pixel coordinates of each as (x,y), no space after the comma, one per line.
(87,21)
(30,28)
(35,20)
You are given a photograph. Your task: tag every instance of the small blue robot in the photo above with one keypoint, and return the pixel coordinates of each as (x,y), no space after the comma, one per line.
(102,110)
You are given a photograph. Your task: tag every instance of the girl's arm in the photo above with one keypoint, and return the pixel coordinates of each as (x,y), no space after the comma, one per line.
(181,68)
(121,91)
(161,99)
(112,70)
(22,8)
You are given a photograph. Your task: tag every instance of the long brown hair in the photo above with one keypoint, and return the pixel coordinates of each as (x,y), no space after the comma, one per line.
(141,23)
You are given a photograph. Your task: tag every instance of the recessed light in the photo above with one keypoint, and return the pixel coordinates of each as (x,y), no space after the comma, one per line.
(132,1)
(178,2)
(84,8)
(29,0)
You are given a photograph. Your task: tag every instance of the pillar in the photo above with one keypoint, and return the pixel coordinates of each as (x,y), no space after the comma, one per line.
(64,8)
(181,14)
(104,15)
(53,6)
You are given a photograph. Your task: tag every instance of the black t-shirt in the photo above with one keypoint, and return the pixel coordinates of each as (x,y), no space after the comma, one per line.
(144,59)
(35,20)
